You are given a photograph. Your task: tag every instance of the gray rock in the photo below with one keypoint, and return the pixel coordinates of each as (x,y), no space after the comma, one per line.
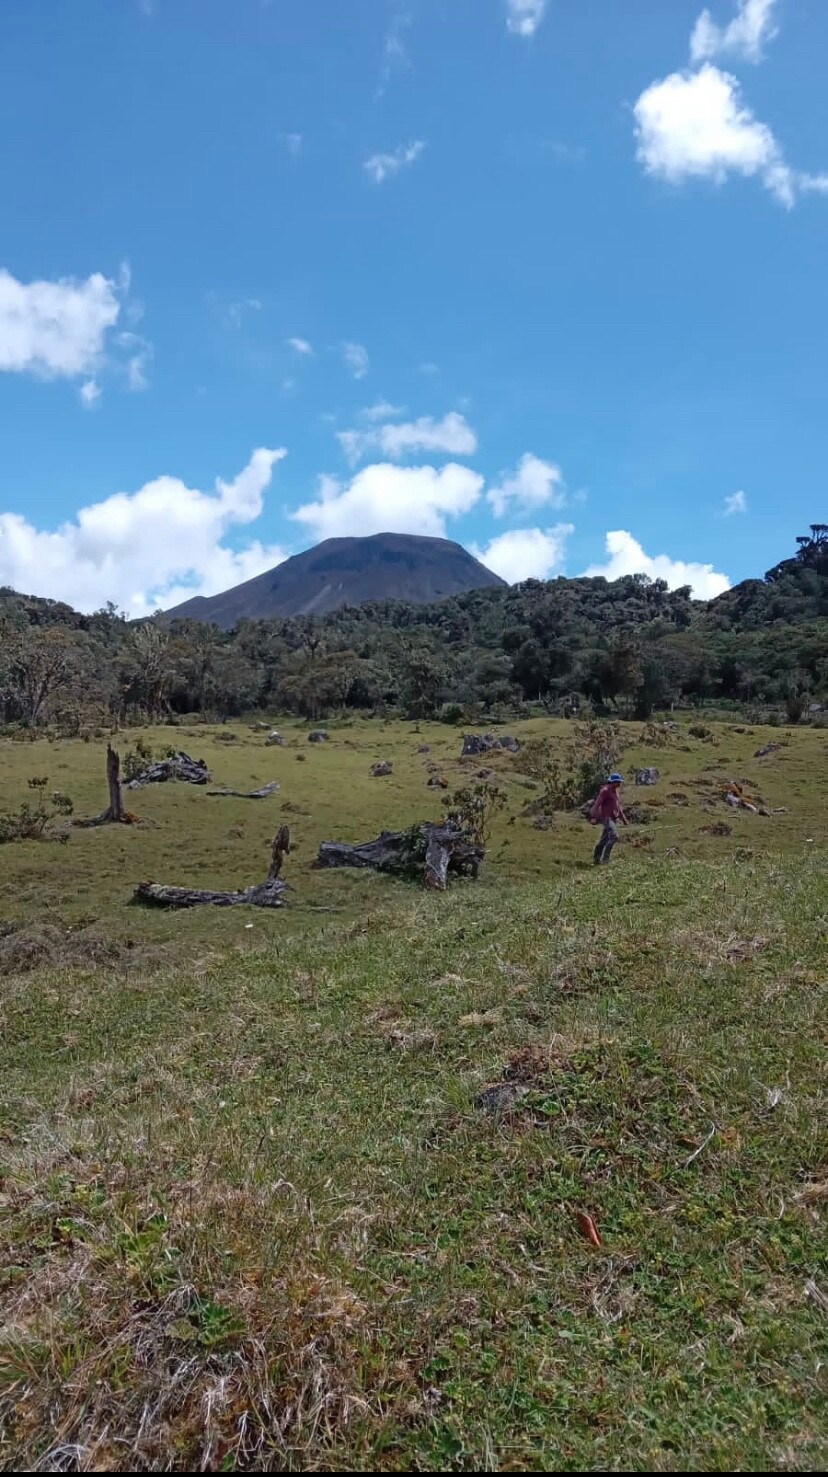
(501,1097)
(647,776)
(380,770)
(318,736)
(275,738)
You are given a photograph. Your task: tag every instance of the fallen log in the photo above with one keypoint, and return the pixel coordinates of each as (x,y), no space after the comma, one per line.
(431,853)
(267,894)
(177,767)
(261,794)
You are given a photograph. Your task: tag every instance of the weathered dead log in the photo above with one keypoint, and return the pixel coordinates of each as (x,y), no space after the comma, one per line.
(270,894)
(429,852)
(261,794)
(177,767)
(281,848)
(115,814)
(267,894)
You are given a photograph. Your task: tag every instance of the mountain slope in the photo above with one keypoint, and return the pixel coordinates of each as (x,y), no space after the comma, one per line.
(347,571)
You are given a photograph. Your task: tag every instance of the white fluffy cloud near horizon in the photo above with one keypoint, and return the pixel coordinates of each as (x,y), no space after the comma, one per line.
(625,555)
(144,550)
(386,498)
(526,553)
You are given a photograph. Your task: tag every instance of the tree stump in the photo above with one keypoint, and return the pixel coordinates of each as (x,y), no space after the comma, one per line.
(115,814)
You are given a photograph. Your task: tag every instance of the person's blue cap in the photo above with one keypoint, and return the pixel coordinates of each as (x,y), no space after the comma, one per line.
(616,779)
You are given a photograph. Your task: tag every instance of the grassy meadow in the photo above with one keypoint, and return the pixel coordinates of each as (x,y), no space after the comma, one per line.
(258,1209)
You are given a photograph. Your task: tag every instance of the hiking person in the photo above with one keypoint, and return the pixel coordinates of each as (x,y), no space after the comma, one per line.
(607,811)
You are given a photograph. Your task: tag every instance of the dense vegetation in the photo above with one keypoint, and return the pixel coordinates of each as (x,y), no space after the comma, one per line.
(632,645)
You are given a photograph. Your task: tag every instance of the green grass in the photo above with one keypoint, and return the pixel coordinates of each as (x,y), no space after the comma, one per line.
(253,1218)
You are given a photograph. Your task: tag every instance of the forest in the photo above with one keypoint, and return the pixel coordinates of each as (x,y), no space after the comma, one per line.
(631,646)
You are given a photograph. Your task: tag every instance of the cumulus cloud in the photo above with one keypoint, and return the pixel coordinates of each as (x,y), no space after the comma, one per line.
(736,503)
(526,553)
(524,16)
(695,124)
(146,549)
(745,36)
(57,329)
(533,484)
(384,498)
(356,360)
(452,436)
(626,556)
(384,166)
(300,346)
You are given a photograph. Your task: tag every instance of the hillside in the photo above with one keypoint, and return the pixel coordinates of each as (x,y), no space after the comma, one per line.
(347,571)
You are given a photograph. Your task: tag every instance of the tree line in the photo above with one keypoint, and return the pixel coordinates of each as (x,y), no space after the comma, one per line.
(631,645)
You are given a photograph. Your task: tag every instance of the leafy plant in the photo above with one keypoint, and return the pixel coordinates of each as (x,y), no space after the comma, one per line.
(474,807)
(32,820)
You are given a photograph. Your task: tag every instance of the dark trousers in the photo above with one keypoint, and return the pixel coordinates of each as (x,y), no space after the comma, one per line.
(609,836)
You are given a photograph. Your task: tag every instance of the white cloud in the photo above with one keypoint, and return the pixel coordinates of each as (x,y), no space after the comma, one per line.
(90,393)
(533,484)
(524,16)
(384,498)
(356,359)
(300,346)
(695,124)
(526,553)
(293,143)
(384,166)
(744,37)
(232,314)
(382,411)
(813,184)
(394,52)
(139,355)
(452,436)
(736,503)
(626,556)
(146,549)
(57,329)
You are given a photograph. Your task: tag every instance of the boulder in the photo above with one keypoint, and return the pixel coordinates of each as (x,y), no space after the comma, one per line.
(647,776)
(275,738)
(383,768)
(487,743)
(318,736)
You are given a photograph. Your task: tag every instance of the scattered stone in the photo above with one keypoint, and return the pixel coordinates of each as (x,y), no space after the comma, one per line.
(379,771)
(767,750)
(275,738)
(486,774)
(719,828)
(438,782)
(487,743)
(647,776)
(542,822)
(318,736)
(500,1097)
(424,749)
(677,798)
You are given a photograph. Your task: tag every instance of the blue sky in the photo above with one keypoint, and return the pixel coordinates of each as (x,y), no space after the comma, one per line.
(535,274)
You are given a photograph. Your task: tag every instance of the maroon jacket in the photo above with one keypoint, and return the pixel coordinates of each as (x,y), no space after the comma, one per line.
(608,805)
